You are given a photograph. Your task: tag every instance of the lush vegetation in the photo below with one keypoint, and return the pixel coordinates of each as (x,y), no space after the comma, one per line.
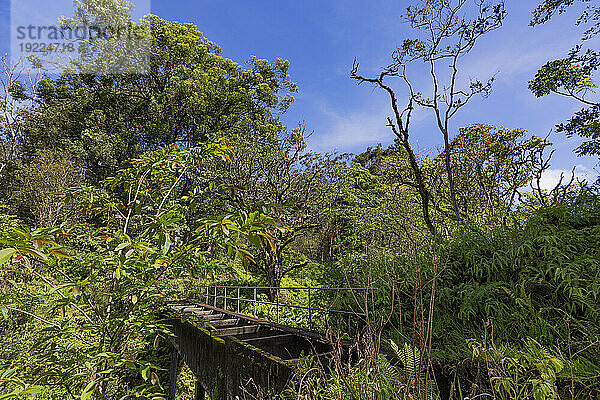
(121,190)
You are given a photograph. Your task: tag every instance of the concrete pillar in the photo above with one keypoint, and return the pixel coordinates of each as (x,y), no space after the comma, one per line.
(173,374)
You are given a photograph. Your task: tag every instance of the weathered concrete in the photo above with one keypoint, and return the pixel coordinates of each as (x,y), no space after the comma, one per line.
(237,355)
(173,374)
(227,368)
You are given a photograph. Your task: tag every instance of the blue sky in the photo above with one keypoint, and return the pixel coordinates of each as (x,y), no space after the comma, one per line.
(322,38)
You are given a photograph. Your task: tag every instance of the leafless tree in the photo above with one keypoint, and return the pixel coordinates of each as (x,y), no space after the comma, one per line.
(446,36)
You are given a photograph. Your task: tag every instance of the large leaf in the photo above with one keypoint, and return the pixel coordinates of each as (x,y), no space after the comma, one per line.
(6,254)
(88,391)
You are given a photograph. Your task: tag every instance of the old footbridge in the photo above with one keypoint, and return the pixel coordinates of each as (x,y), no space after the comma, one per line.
(238,356)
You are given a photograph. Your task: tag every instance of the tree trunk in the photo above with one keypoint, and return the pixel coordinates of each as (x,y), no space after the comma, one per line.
(451,179)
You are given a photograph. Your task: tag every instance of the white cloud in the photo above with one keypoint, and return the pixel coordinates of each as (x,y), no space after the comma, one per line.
(347,131)
(509,60)
(518,58)
(352,131)
(551,177)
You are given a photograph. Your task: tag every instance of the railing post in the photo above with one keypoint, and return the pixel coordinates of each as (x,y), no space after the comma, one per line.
(206,302)
(309,311)
(225,300)
(215,298)
(254,302)
(367,305)
(238,300)
(278,305)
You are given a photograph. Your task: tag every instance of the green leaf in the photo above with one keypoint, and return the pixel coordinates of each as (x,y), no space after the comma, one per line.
(254,240)
(6,254)
(122,246)
(271,240)
(60,254)
(146,372)
(88,391)
(35,253)
(245,255)
(167,244)
(4,312)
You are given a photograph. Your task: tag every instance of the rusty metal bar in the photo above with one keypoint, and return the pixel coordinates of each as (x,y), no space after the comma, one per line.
(278,304)
(292,287)
(296,306)
(309,311)
(367,305)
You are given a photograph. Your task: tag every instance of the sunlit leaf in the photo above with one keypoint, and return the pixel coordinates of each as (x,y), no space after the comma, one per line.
(6,254)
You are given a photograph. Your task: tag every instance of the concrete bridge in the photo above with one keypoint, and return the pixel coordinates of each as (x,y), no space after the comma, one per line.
(236,356)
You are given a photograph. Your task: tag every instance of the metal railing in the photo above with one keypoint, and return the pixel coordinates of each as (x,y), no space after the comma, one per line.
(228,295)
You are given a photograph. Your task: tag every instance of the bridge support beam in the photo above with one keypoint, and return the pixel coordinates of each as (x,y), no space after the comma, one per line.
(200,393)
(224,367)
(173,374)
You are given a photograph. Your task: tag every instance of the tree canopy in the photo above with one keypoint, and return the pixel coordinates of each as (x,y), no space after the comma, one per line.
(124,188)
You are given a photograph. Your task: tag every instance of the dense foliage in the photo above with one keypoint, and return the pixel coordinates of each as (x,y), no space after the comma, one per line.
(123,190)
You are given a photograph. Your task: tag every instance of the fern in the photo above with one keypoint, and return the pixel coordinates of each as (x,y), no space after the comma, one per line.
(410,358)
(412,369)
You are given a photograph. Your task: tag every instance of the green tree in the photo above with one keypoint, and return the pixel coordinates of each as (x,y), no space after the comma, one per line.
(573,75)
(41,185)
(189,94)
(494,167)
(16,80)
(95,303)
(279,179)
